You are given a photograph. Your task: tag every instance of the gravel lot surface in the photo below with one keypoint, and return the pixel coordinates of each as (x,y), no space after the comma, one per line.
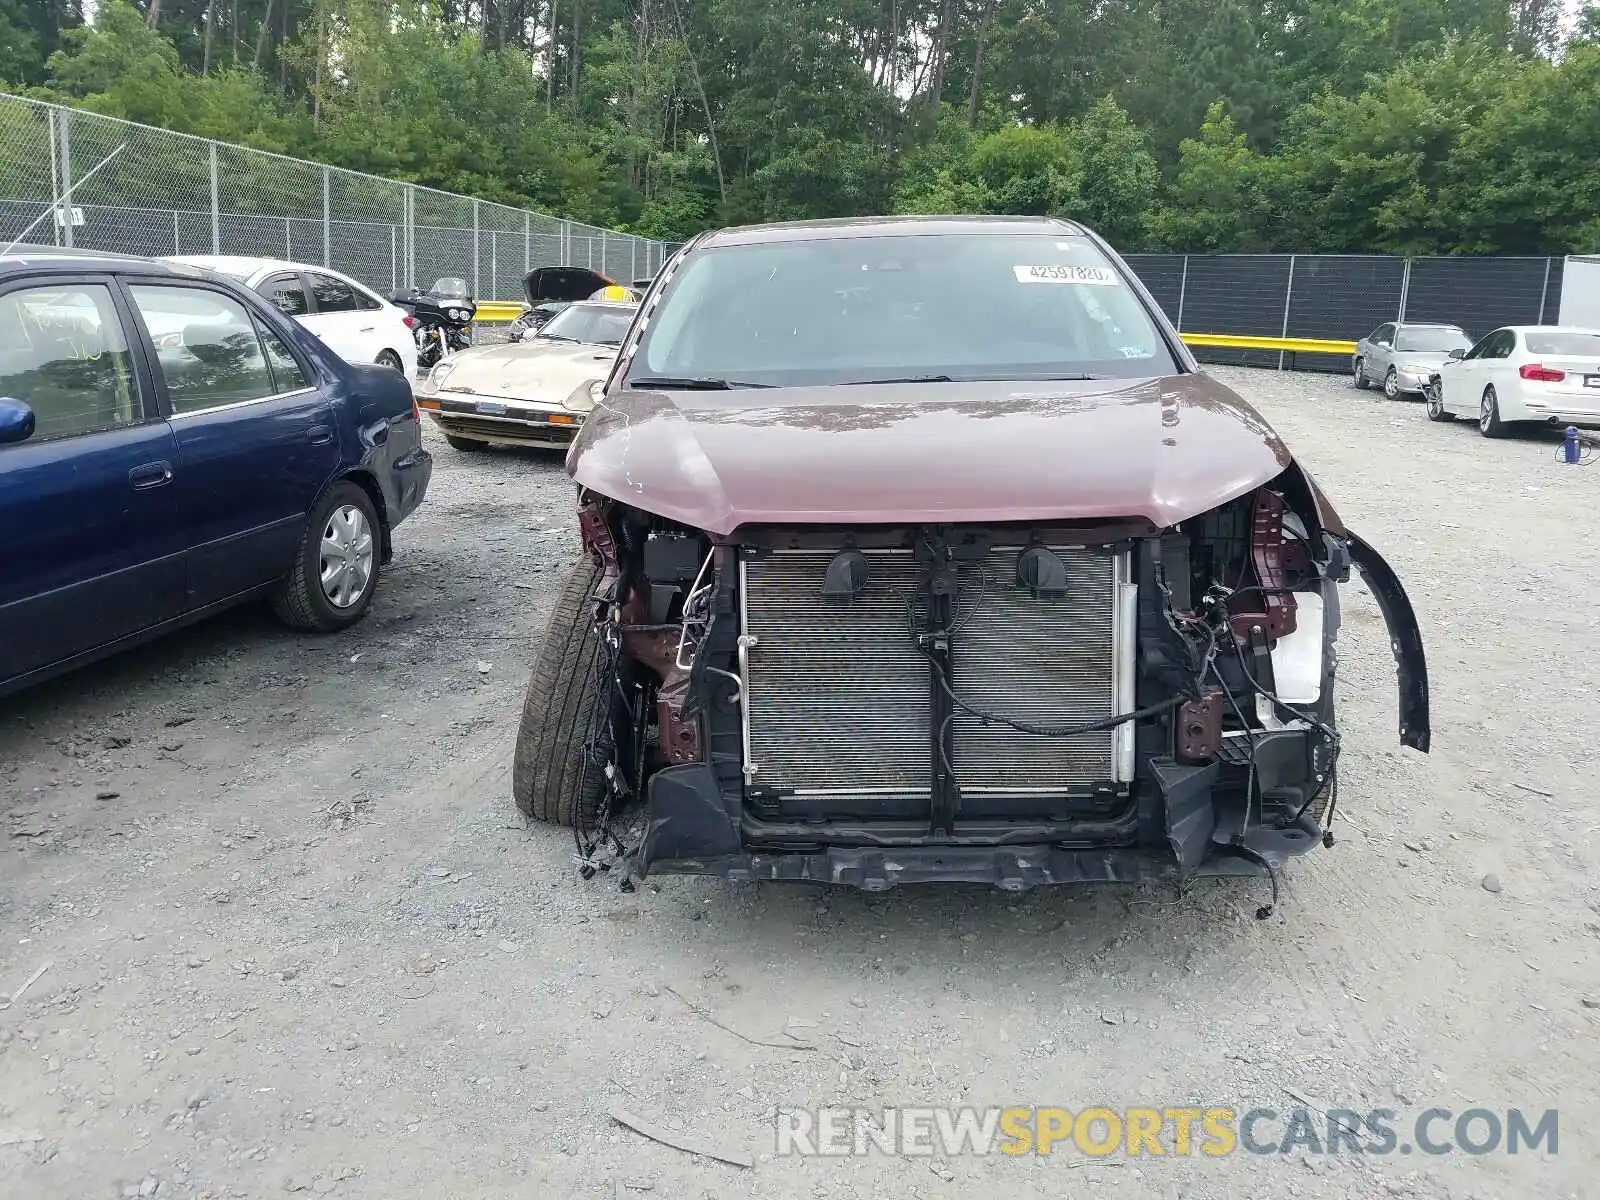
(295,938)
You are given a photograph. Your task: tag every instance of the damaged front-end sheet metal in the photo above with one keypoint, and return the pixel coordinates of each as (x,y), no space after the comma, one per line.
(1405,639)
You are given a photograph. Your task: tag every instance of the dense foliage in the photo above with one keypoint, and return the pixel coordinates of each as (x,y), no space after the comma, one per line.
(1310,125)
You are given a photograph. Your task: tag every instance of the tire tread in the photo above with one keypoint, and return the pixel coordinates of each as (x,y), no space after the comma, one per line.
(559,712)
(291,599)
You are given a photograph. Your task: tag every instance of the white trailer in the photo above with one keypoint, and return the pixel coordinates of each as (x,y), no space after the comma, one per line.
(1580,291)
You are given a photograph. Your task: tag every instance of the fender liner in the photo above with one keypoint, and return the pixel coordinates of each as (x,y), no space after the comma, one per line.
(1405,639)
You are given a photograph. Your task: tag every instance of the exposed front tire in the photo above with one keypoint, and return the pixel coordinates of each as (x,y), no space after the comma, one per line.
(1359,372)
(1489,422)
(388,358)
(1391,385)
(468,445)
(1435,397)
(561,715)
(335,572)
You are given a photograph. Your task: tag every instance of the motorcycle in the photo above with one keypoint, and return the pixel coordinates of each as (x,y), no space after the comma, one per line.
(440,318)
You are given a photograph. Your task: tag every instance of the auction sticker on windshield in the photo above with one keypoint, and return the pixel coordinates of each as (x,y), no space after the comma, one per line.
(1066,273)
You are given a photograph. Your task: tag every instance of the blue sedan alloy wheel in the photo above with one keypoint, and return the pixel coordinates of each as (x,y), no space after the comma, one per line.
(336,571)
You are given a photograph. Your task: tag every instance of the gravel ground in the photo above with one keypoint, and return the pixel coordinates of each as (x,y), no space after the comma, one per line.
(294,937)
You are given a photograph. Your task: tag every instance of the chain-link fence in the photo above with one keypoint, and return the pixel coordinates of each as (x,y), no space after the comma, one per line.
(169,193)
(1342,296)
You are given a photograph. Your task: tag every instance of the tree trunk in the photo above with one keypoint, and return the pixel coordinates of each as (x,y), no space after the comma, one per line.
(577,50)
(639,87)
(977,64)
(885,49)
(550,44)
(705,104)
(941,43)
(283,38)
(205,54)
(261,36)
(154,16)
(316,77)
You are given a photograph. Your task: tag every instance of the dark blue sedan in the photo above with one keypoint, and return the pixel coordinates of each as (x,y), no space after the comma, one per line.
(171,445)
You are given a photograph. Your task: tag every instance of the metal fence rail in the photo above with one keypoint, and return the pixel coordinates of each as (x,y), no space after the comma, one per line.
(1341,297)
(170,193)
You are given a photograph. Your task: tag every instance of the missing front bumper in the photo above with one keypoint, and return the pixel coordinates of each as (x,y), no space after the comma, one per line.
(694,829)
(1009,868)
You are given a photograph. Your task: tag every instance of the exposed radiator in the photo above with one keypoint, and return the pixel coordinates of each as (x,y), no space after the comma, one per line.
(839,699)
(838,694)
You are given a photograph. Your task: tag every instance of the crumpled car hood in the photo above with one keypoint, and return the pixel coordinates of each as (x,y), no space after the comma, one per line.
(1161,449)
(545,371)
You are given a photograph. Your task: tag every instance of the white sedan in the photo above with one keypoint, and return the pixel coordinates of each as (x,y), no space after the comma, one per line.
(1521,373)
(351,320)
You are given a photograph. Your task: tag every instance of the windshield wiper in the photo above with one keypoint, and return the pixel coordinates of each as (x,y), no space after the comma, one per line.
(900,379)
(691,383)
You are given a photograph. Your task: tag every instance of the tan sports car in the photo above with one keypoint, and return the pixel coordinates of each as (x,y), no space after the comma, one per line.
(535,392)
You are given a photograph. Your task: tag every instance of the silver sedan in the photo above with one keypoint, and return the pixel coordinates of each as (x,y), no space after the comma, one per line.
(1401,357)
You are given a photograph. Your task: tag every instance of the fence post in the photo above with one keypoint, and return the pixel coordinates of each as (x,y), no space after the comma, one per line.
(177,243)
(1544,292)
(394,262)
(527,243)
(1183,288)
(411,235)
(633,259)
(64,216)
(1288,294)
(1405,289)
(477,289)
(327,217)
(216,201)
(55,175)
(288,238)
(494,260)
(602,252)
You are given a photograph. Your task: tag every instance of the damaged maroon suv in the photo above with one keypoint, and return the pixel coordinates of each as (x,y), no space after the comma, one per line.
(922,550)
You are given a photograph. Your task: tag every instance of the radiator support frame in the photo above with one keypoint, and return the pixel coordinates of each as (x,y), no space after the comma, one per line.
(1115,600)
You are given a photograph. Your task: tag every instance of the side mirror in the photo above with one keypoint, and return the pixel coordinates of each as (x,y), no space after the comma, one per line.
(1458,352)
(16,421)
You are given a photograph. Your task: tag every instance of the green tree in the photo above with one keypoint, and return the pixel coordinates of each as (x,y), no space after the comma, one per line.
(1026,170)
(1117,178)
(31,31)
(1375,170)
(121,67)
(1218,200)
(1522,179)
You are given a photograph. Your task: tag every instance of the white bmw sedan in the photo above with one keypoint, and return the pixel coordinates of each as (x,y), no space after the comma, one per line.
(1548,374)
(351,320)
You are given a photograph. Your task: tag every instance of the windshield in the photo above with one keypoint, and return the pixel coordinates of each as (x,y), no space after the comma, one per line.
(858,309)
(451,288)
(1436,340)
(591,323)
(1583,344)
